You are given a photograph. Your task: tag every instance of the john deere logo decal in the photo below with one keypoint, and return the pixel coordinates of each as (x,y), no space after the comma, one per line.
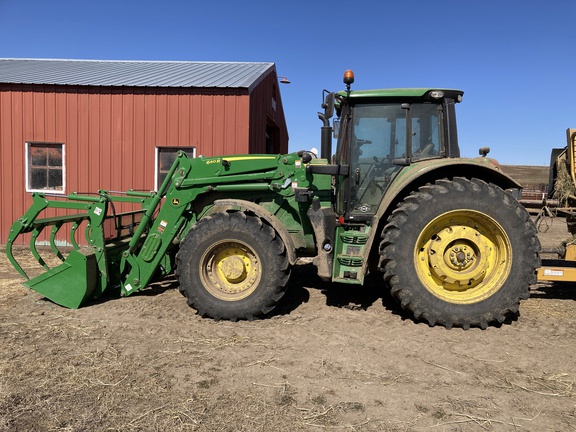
(175,201)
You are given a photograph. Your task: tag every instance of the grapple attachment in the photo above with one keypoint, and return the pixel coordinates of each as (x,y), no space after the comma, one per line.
(120,250)
(78,270)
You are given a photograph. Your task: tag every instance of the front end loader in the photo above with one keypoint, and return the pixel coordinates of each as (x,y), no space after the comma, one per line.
(452,245)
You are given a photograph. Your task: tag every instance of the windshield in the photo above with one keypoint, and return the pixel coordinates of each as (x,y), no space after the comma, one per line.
(375,135)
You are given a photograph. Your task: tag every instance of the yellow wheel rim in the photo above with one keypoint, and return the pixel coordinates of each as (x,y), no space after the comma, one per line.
(230,270)
(463,256)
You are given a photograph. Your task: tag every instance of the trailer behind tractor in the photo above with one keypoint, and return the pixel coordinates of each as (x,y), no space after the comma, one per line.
(452,245)
(560,201)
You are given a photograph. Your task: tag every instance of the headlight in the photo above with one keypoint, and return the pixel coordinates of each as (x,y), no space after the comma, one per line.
(436,94)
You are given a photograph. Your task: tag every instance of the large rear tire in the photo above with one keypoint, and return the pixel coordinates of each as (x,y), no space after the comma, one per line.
(460,253)
(232,266)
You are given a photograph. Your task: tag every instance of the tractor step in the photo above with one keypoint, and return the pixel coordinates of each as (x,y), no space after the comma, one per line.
(350,260)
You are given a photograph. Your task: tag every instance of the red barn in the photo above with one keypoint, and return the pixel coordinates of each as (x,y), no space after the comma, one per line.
(84,125)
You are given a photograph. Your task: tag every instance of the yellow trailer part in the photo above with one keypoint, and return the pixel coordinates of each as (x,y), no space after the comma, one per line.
(557,270)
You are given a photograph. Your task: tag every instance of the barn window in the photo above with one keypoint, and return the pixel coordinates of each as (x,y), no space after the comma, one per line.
(45,167)
(165,157)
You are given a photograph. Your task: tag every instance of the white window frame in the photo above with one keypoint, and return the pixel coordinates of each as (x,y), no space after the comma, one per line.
(190,151)
(27,162)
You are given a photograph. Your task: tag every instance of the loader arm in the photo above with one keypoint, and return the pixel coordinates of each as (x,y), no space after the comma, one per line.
(186,180)
(269,178)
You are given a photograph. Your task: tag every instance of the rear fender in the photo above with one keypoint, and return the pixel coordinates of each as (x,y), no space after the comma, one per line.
(412,177)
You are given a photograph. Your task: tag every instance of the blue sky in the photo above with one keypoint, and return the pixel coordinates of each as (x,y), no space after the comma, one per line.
(515,60)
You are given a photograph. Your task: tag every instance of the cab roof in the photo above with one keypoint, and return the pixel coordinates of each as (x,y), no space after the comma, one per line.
(401,93)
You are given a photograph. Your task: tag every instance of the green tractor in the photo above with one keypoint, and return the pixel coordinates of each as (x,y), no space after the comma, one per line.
(453,246)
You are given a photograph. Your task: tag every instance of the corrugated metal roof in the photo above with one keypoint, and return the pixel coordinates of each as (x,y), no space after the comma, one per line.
(132,73)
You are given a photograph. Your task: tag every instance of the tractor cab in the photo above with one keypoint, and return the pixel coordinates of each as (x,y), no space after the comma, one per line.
(381,131)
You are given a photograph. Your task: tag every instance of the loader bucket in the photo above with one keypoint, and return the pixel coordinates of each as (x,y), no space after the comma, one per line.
(71,283)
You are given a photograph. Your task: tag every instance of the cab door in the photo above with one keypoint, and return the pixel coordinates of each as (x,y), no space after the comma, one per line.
(376,135)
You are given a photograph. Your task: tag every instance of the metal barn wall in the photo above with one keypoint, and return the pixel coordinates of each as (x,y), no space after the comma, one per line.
(110,134)
(266,109)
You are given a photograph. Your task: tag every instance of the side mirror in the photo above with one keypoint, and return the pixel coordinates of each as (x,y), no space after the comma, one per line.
(328,104)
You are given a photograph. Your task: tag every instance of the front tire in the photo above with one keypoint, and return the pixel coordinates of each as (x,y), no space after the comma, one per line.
(232,266)
(460,253)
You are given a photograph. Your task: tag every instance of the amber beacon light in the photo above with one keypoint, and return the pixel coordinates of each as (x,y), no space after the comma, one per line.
(348,77)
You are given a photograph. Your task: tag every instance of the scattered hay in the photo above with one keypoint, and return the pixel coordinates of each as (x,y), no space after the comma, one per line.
(564,185)
(555,385)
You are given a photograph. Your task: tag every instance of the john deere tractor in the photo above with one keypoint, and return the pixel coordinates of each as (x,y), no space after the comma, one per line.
(451,244)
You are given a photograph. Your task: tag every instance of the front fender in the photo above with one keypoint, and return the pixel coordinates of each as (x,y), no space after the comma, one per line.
(241,205)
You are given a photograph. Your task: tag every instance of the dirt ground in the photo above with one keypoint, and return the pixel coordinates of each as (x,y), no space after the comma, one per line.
(341,359)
